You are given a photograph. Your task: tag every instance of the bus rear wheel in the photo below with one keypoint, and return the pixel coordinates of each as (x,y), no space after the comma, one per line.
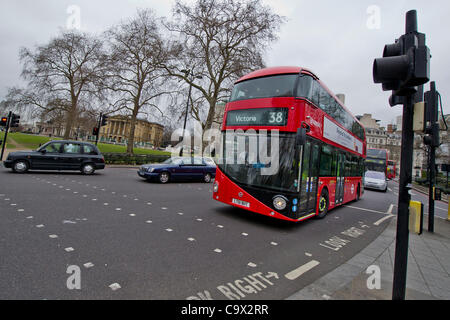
(323,204)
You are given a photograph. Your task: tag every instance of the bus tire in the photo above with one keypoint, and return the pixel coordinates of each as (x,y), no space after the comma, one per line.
(324,203)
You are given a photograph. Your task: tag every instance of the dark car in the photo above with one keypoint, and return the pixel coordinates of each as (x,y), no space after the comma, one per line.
(180,168)
(58,155)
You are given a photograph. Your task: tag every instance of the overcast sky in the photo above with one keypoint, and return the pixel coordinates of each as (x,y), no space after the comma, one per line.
(338,40)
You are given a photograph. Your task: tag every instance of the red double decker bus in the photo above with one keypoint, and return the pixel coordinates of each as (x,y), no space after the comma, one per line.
(377,160)
(391,170)
(320,154)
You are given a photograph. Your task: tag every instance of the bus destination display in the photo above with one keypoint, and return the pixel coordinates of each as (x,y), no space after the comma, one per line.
(258,117)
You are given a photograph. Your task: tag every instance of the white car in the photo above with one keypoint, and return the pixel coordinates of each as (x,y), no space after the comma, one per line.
(375,180)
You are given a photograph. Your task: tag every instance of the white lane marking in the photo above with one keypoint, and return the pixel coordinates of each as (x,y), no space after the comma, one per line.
(308,254)
(217,250)
(294,274)
(390,189)
(136,199)
(106,203)
(115,286)
(13,204)
(391,207)
(364,209)
(53,236)
(132,215)
(69,249)
(180,213)
(191,239)
(118,209)
(149,203)
(163,208)
(169,230)
(30,217)
(75,192)
(383,219)
(244,234)
(252,265)
(199,219)
(20,210)
(88,265)
(40,226)
(94,199)
(274,243)
(148,221)
(219,226)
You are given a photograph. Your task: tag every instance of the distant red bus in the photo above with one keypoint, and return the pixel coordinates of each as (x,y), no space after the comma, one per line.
(321,146)
(391,170)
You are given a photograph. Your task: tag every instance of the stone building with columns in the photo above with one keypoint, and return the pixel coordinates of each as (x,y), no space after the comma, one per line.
(118,129)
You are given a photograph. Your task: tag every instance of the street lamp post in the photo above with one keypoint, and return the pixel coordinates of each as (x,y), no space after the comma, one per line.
(188,72)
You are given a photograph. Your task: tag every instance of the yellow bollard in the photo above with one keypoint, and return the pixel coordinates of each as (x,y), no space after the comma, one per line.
(416,217)
(448,216)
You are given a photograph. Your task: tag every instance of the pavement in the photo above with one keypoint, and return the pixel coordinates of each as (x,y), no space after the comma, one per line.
(428,272)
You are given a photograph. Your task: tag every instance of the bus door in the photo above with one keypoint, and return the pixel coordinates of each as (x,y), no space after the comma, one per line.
(340,178)
(309,177)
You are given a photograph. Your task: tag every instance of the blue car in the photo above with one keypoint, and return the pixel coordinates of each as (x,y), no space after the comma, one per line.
(180,168)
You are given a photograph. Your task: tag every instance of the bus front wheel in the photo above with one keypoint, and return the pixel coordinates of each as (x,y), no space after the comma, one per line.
(323,204)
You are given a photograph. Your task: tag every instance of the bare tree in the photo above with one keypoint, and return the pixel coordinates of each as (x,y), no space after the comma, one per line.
(135,77)
(62,75)
(220,41)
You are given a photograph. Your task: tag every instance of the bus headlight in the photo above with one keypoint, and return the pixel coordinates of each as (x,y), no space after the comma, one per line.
(215,187)
(279,203)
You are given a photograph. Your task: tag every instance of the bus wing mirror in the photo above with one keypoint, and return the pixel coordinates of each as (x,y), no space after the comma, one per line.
(300,138)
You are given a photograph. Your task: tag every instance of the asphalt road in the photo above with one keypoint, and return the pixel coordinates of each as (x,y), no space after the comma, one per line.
(131,239)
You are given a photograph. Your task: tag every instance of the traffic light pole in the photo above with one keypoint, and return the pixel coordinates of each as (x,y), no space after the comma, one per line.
(6,134)
(98,126)
(404,197)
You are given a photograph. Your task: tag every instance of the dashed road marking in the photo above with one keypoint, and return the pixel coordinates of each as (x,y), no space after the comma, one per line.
(274,243)
(88,265)
(218,250)
(53,236)
(294,274)
(191,239)
(115,286)
(244,234)
(252,265)
(69,249)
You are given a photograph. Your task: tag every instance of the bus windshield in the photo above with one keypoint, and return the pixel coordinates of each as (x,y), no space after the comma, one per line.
(267,87)
(240,167)
(376,153)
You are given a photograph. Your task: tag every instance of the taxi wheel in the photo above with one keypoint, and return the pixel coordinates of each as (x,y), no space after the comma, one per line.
(20,166)
(88,169)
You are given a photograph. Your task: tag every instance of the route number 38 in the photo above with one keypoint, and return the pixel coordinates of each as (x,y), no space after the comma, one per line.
(276,117)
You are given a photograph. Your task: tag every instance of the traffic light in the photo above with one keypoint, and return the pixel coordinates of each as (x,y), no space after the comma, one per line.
(15,119)
(95,131)
(405,63)
(431,117)
(104,120)
(3,121)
